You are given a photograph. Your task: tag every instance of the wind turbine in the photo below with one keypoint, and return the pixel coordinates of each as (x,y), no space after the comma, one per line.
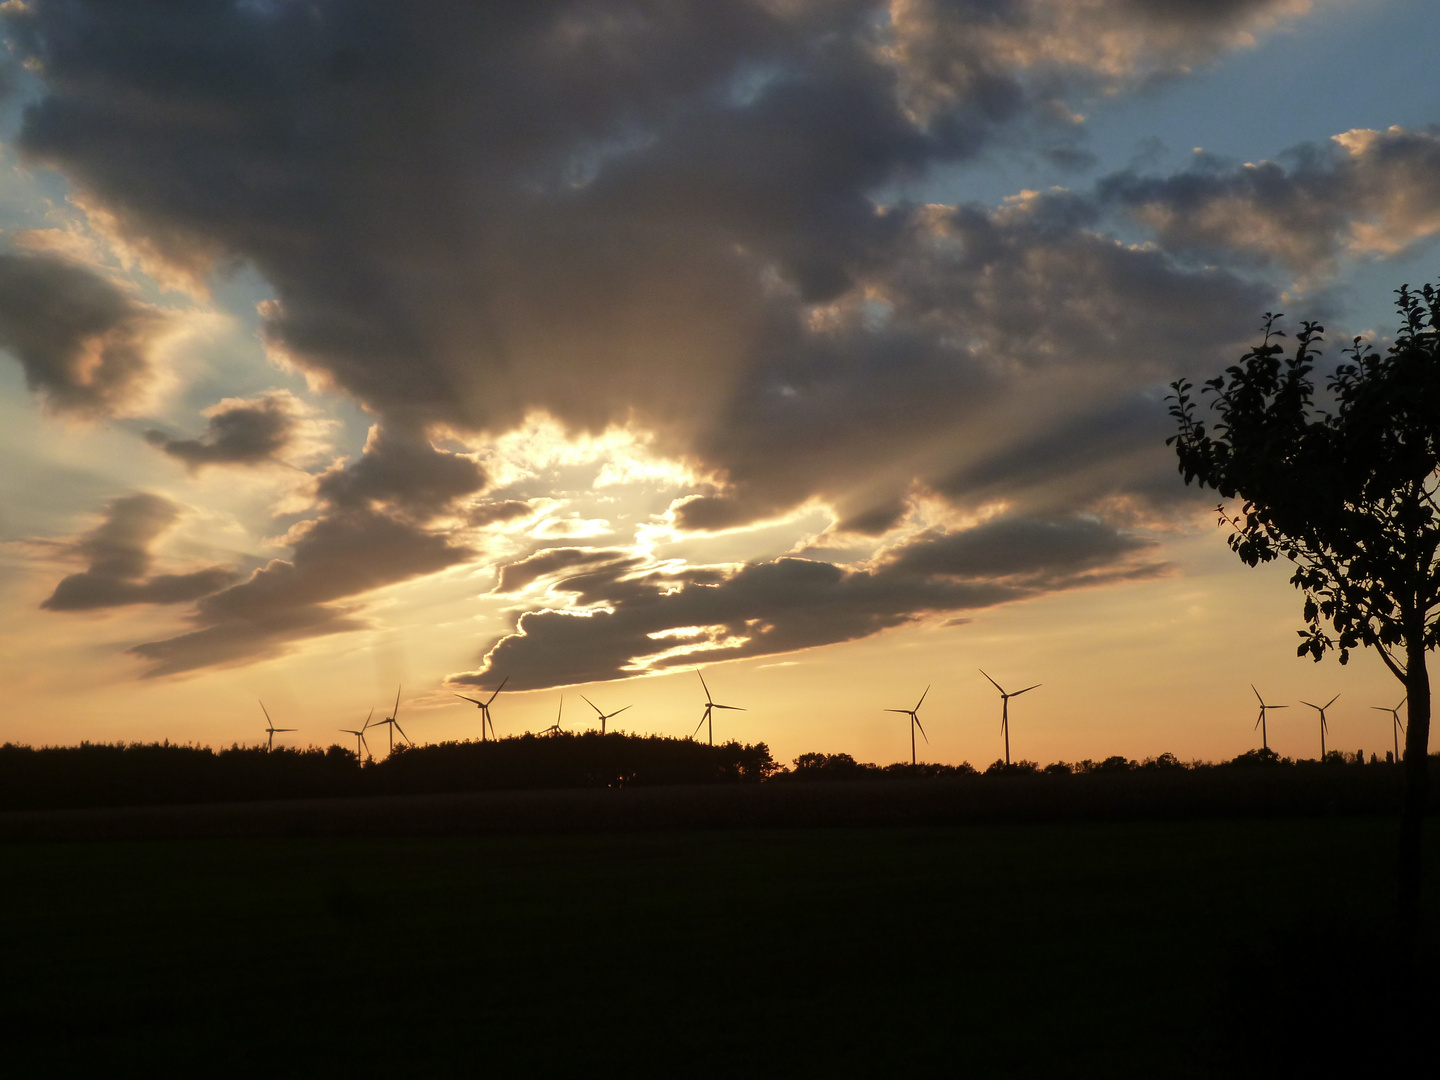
(554,729)
(914,723)
(604,715)
(271,729)
(706,719)
(1321,710)
(360,742)
(1399,724)
(1005,709)
(485,708)
(393,723)
(1260,723)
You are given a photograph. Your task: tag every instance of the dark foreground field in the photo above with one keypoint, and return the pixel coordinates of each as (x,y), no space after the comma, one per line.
(1183,948)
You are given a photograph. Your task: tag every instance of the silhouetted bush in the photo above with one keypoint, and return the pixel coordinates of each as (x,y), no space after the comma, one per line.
(1017,768)
(842,767)
(1264,757)
(1166,761)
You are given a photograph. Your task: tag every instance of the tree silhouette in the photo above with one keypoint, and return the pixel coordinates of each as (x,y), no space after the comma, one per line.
(1345,488)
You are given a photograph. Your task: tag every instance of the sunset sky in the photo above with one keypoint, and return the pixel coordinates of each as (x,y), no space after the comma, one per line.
(819,343)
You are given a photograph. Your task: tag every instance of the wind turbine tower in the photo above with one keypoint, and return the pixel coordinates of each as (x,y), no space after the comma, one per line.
(485,708)
(914,723)
(706,720)
(1321,710)
(554,729)
(271,729)
(360,742)
(1005,709)
(603,715)
(1398,727)
(1260,722)
(393,723)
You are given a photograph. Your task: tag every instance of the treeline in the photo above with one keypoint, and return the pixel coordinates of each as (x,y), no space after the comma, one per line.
(842,767)
(155,774)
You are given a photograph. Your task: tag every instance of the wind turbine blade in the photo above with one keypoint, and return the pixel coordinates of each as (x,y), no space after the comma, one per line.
(698,727)
(1403,700)
(498,689)
(1332,701)
(560,710)
(921,727)
(1257,694)
(397,702)
(1027,689)
(472,701)
(905,711)
(704,684)
(1381,708)
(269,721)
(922,700)
(367,718)
(737,708)
(1258,719)
(992,681)
(1277,706)
(1311,704)
(617,712)
(402,733)
(591,704)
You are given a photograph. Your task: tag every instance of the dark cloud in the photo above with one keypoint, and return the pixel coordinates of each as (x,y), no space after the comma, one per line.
(337,557)
(118,551)
(1042,552)
(497,513)
(402,470)
(238,433)
(789,604)
(1366,192)
(83,341)
(667,215)
(524,572)
(998,330)
(634,212)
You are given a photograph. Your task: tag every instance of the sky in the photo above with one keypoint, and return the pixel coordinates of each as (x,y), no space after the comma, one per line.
(818,344)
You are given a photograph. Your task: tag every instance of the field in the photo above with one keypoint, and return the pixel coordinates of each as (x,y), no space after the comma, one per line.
(1107,948)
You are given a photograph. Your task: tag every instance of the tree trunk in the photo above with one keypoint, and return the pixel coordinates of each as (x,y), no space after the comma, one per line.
(1412,820)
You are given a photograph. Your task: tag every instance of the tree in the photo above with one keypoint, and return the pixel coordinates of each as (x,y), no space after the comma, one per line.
(1345,488)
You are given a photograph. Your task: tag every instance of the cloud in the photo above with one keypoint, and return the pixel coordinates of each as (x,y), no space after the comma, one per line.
(404,471)
(84,343)
(636,215)
(118,551)
(628,620)
(484,514)
(239,432)
(677,219)
(996,53)
(1366,193)
(372,531)
(337,557)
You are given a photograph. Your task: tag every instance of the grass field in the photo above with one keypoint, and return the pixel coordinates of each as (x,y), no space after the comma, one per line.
(1085,949)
